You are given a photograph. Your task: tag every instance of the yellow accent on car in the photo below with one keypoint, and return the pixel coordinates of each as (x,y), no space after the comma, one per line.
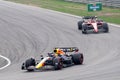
(41,64)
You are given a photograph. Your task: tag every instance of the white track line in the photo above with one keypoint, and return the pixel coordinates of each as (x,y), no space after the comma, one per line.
(115,25)
(9,62)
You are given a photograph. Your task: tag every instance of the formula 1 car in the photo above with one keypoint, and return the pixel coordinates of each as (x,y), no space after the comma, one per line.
(92,23)
(70,57)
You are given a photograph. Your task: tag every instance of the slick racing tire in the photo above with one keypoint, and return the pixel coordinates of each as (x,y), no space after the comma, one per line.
(80,25)
(23,66)
(58,64)
(28,63)
(105,27)
(77,58)
(84,29)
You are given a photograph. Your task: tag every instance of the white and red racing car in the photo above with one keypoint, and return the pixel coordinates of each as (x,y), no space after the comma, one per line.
(92,23)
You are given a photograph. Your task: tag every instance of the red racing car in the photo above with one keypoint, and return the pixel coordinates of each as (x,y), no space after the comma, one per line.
(92,23)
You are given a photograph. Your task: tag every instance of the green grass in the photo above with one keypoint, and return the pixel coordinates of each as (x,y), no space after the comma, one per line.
(111,15)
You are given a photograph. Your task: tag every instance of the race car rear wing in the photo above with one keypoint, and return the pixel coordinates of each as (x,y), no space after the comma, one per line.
(67,49)
(89,17)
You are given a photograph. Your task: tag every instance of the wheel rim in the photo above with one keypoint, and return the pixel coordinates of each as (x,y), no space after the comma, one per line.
(81,59)
(60,65)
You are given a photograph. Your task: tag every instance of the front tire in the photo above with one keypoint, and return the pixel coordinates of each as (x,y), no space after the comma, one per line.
(30,62)
(80,25)
(23,66)
(105,27)
(58,64)
(84,29)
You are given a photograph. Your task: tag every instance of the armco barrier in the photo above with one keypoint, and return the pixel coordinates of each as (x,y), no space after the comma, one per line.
(109,3)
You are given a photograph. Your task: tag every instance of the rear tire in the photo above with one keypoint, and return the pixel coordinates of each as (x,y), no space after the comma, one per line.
(77,58)
(80,25)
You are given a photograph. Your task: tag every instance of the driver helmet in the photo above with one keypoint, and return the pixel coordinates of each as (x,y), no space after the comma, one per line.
(58,51)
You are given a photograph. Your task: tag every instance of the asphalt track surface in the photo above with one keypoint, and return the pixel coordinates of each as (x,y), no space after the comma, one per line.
(27,31)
